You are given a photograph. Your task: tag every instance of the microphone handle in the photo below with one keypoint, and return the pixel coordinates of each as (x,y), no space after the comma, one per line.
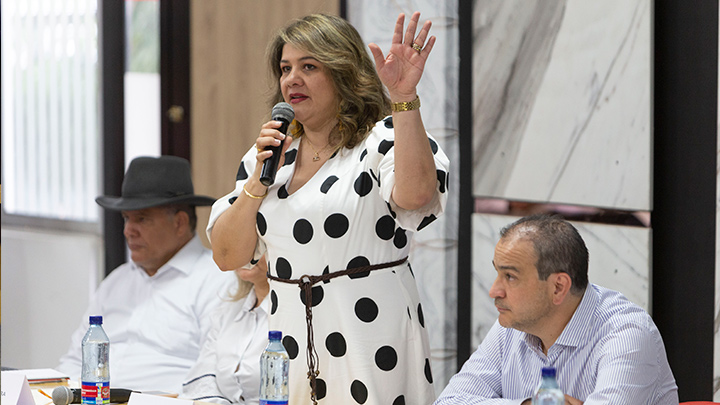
(119,395)
(270,165)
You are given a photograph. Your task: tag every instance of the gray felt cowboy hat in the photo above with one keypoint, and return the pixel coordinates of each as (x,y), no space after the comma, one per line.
(154,181)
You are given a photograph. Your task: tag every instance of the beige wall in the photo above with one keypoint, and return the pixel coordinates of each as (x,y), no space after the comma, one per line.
(229,83)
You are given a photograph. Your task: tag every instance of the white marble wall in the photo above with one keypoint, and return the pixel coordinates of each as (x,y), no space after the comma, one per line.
(561,95)
(434,250)
(619,260)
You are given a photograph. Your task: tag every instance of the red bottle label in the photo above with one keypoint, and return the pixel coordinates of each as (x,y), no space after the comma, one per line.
(95,392)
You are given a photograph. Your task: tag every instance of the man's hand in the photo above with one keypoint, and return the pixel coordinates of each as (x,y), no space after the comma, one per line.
(572,401)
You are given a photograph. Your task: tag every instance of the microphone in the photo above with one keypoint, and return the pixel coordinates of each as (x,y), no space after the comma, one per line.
(63,395)
(284,113)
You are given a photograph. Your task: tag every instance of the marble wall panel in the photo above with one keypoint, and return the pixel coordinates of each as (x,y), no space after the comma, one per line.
(619,260)
(561,101)
(434,250)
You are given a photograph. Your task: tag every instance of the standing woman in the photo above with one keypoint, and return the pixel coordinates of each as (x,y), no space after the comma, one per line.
(336,225)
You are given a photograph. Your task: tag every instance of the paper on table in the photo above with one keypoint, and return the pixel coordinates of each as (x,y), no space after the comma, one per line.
(40,375)
(15,389)
(137,398)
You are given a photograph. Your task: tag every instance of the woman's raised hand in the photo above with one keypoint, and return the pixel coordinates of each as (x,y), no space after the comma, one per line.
(270,136)
(403,67)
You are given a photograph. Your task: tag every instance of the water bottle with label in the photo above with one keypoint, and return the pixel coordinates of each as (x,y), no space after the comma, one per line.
(548,393)
(274,368)
(95,378)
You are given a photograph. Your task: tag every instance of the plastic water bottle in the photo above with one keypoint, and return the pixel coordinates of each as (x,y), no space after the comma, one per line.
(548,393)
(95,378)
(274,368)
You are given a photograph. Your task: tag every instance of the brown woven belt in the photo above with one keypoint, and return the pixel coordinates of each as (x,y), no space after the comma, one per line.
(305,283)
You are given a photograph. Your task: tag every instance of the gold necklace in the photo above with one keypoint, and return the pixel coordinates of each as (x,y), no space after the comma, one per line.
(317,153)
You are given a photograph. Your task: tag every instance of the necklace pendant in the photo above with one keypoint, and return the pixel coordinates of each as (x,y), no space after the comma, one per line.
(316,158)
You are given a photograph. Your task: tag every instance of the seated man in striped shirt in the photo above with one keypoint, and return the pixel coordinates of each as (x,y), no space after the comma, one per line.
(606,349)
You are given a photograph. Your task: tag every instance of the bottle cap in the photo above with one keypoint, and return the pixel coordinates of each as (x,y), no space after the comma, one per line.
(96,320)
(274,335)
(548,371)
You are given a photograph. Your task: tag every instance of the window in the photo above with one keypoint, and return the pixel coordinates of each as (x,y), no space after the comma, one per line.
(50,131)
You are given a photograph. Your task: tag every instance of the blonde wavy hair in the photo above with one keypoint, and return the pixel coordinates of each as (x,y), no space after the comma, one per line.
(338,46)
(244,287)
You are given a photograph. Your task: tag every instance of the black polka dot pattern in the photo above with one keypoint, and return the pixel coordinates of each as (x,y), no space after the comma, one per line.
(426,221)
(291,346)
(388,122)
(303,231)
(428,372)
(433,146)
(290,157)
(282,192)
(366,309)
(253,261)
(317,295)
(323,239)
(385,146)
(376,178)
(336,225)
(390,210)
(325,187)
(400,240)
(386,358)
(442,178)
(359,392)
(274,302)
(283,268)
(335,344)
(359,261)
(320,388)
(242,174)
(363,184)
(261,224)
(385,227)
(231,200)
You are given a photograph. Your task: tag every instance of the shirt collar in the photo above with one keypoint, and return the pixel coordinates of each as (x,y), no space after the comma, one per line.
(249,305)
(580,325)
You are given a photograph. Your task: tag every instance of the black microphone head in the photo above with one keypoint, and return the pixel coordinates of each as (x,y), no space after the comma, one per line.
(283,110)
(62,395)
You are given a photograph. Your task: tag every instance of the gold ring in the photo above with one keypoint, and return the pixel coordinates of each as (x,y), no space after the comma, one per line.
(258,149)
(417,47)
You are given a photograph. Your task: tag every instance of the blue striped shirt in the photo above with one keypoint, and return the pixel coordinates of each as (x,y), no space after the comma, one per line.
(610,352)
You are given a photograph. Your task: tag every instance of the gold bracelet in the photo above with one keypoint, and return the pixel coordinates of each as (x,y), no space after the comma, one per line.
(407,105)
(257,197)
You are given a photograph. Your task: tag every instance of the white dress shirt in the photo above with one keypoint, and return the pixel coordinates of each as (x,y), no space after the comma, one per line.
(157,324)
(609,353)
(228,369)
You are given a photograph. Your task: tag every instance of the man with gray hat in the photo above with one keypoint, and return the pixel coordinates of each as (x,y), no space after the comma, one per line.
(156,307)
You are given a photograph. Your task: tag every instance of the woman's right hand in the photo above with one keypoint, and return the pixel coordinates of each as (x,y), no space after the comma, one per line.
(269,137)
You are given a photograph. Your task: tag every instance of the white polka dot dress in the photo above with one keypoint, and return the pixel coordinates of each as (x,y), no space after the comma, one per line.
(368,327)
